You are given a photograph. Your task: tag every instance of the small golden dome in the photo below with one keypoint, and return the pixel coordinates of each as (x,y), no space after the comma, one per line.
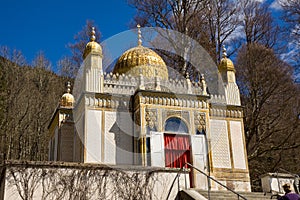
(92,46)
(67,99)
(226,63)
(141,60)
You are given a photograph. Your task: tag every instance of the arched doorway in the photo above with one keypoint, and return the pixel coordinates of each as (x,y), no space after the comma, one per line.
(177,144)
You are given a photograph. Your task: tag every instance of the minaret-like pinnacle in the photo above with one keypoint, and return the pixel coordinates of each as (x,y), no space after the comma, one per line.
(187,75)
(68,87)
(224,54)
(67,99)
(93,35)
(139,35)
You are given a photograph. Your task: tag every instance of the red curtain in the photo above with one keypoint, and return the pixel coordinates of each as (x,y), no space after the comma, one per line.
(177,150)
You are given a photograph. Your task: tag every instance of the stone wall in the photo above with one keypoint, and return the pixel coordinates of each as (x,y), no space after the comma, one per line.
(53,180)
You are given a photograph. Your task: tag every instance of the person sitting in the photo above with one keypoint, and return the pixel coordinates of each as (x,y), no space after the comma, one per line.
(289,195)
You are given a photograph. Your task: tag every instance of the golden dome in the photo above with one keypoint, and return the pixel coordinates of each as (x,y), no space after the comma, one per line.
(226,63)
(141,60)
(92,46)
(67,99)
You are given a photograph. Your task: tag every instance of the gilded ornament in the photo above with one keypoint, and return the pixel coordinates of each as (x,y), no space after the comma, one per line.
(67,99)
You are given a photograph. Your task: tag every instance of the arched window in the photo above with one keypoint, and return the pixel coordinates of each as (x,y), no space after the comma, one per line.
(176,125)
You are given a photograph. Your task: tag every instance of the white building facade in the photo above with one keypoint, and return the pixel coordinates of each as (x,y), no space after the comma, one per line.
(137,115)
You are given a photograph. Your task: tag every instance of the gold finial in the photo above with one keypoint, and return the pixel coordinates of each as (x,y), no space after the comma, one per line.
(224,55)
(93,35)
(139,35)
(67,99)
(187,75)
(68,87)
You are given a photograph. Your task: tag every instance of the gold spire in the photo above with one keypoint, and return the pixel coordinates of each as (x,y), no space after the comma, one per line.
(224,54)
(92,46)
(68,87)
(67,100)
(139,35)
(93,35)
(225,63)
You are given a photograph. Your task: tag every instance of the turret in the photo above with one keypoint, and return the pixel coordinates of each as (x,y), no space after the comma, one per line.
(227,71)
(93,71)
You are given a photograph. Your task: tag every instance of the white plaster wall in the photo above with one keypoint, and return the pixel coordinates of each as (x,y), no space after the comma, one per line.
(219,144)
(124,139)
(157,149)
(93,66)
(238,150)
(118,145)
(232,94)
(199,160)
(93,136)
(159,187)
(110,142)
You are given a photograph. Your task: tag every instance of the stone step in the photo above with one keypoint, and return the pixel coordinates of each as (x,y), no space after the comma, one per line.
(227,195)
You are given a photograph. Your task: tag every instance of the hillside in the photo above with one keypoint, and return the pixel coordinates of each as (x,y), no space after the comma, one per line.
(29,96)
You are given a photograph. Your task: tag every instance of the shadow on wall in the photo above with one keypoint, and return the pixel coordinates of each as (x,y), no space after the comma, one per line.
(123,136)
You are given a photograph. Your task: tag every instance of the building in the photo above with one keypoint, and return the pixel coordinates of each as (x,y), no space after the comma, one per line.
(137,115)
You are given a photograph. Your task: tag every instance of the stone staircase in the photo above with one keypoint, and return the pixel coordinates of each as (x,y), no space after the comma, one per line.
(196,194)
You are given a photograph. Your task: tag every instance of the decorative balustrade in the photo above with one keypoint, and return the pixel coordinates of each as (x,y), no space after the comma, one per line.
(127,85)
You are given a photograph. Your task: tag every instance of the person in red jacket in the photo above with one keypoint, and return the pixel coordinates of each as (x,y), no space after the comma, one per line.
(289,195)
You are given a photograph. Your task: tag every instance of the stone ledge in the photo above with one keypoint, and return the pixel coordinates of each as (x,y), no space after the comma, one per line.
(73,165)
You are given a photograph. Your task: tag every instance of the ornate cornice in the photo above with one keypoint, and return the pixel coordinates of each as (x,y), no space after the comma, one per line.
(169,99)
(226,111)
(100,100)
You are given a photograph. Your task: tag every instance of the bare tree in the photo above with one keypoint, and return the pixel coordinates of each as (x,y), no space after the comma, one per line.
(30,94)
(208,22)
(69,65)
(270,96)
(291,15)
(73,181)
(223,19)
(259,26)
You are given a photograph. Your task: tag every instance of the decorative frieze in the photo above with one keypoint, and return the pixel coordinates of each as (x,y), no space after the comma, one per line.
(225,112)
(218,99)
(151,118)
(107,102)
(174,101)
(176,113)
(127,84)
(200,121)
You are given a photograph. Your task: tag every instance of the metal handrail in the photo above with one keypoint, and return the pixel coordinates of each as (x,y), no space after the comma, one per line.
(177,177)
(211,178)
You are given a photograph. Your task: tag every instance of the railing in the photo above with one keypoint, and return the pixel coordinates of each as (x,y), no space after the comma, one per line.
(216,181)
(170,190)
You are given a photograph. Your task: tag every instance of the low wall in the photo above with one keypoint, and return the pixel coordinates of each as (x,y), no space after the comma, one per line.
(53,180)
(272,182)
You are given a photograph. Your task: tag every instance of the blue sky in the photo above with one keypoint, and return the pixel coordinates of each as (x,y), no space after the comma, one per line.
(49,25)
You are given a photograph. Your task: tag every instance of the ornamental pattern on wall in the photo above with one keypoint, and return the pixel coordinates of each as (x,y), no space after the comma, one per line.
(151,118)
(199,119)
